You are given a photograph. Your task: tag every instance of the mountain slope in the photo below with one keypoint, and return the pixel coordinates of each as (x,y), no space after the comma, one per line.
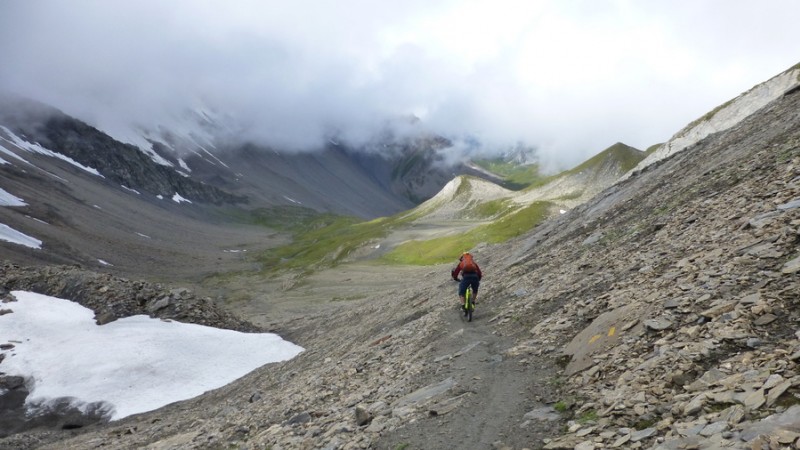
(692,264)
(727,115)
(584,181)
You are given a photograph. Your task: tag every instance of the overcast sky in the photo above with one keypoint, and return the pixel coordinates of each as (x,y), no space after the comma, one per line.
(570,77)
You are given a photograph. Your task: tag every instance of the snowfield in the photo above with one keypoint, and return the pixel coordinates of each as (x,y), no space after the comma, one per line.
(131,365)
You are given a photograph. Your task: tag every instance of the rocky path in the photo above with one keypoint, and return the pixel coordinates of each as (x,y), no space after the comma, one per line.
(492,391)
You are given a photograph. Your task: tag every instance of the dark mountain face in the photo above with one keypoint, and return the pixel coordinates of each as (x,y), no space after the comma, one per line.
(122,164)
(123,202)
(365,182)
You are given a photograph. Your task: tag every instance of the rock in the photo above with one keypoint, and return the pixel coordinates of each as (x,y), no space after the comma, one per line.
(695,405)
(718,309)
(658,324)
(105,317)
(766,319)
(672,303)
(790,205)
(640,435)
(301,418)
(593,239)
(751,299)
(424,394)
(159,304)
(755,400)
(791,266)
(714,428)
(544,414)
(363,417)
(778,390)
(621,441)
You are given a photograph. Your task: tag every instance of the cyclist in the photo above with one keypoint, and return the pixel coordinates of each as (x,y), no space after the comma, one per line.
(470,276)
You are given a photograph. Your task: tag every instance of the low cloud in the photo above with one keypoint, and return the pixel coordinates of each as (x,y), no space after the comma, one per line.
(567,78)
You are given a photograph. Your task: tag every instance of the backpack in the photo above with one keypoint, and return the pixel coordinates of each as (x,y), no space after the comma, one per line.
(468,263)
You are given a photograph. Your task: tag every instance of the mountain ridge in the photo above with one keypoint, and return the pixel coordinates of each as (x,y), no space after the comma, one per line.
(660,314)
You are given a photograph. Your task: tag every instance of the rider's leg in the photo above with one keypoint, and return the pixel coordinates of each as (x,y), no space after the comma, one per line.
(462,290)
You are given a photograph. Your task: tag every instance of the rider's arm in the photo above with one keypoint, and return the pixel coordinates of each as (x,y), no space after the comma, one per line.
(454,272)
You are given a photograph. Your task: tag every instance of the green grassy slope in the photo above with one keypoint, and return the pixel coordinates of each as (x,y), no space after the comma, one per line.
(325,240)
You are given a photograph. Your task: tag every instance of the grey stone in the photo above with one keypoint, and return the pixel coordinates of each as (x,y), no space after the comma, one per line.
(766,319)
(658,324)
(790,205)
(594,238)
(640,435)
(714,428)
(363,417)
(672,303)
(159,304)
(301,418)
(424,394)
(791,266)
(544,414)
(778,390)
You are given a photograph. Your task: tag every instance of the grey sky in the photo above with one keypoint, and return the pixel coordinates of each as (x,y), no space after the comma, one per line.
(571,77)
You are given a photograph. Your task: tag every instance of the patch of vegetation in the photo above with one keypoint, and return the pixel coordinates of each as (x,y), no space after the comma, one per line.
(788,399)
(441,250)
(650,150)
(280,218)
(515,176)
(464,187)
(710,115)
(492,208)
(643,423)
(571,196)
(587,416)
(320,238)
(402,446)
(561,406)
(349,298)
(627,157)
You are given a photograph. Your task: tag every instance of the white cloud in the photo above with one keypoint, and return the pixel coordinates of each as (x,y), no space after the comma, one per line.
(570,77)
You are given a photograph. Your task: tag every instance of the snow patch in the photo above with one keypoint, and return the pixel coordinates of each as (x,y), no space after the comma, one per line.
(38,220)
(183,165)
(9,234)
(132,365)
(178,199)
(10,153)
(130,189)
(104,263)
(7,199)
(36,148)
(292,200)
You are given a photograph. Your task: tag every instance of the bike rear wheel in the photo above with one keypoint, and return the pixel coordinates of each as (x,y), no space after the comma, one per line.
(469,306)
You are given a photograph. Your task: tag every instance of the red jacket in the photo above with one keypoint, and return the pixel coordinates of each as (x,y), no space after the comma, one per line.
(459,267)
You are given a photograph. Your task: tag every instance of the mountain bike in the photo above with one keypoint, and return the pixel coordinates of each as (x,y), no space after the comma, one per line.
(469,306)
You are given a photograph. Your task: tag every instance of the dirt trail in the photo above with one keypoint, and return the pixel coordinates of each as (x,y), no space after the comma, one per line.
(493,391)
